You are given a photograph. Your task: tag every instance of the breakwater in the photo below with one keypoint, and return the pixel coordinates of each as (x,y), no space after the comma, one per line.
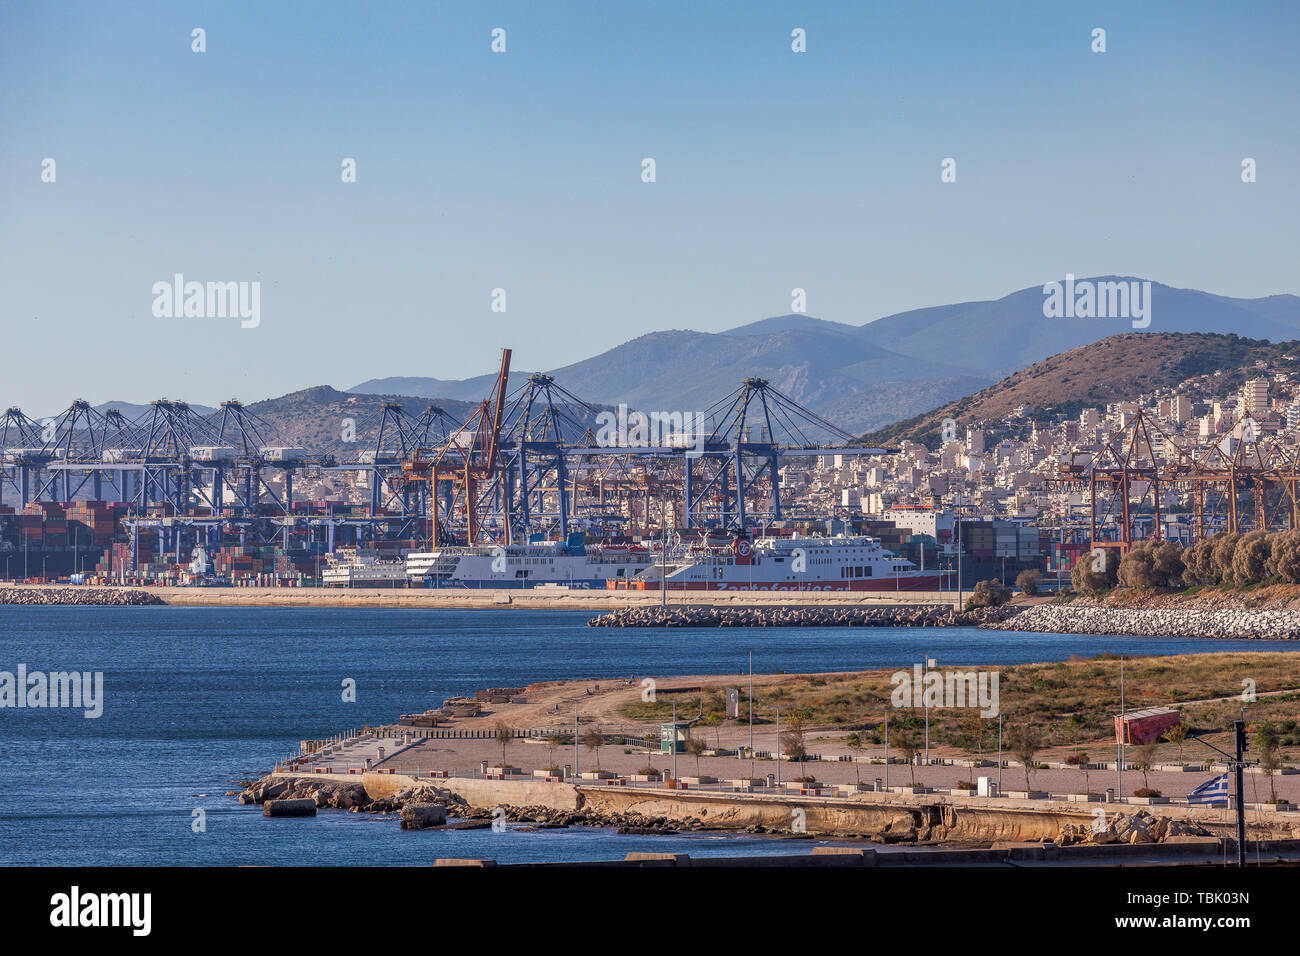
(103,596)
(1043,618)
(881,818)
(1156,622)
(916,615)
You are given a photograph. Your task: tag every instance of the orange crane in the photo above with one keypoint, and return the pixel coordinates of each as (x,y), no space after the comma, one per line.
(470,462)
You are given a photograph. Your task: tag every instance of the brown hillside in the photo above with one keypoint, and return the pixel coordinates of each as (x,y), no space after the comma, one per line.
(1118,368)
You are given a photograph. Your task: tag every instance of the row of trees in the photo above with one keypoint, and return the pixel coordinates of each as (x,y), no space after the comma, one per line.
(1224,559)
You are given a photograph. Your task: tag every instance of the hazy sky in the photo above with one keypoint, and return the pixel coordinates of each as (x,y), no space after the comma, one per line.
(478,170)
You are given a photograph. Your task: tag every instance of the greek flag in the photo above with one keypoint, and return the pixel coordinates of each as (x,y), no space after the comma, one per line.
(1211,793)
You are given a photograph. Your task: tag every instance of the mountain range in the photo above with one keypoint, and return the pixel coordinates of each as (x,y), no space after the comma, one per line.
(891,376)
(864,377)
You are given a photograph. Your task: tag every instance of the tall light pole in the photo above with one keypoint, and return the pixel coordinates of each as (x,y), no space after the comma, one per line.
(1119,765)
(751,715)
(575,732)
(925,671)
(674,741)
(999,755)
(778,746)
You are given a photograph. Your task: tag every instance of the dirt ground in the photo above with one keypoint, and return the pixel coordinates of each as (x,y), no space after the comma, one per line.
(600,703)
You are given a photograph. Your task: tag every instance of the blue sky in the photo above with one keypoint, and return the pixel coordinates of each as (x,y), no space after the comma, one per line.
(522,171)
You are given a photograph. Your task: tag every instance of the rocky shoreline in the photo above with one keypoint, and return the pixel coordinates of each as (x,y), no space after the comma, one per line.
(904,615)
(1074,618)
(1156,622)
(99,596)
(352,796)
(911,826)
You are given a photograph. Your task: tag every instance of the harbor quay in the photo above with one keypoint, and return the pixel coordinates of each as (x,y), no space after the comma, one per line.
(558,597)
(515,751)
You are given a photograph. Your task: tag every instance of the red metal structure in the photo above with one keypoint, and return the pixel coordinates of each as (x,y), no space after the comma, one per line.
(464,473)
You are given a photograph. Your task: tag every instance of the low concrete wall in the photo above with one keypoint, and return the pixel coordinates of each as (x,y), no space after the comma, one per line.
(956,819)
(847,816)
(1205,853)
(514,793)
(525,598)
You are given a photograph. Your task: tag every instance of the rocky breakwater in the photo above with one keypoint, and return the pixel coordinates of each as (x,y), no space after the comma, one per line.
(1140,827)
(903,615)
(428,807)
(341,794)
(79,594)
(1155,622)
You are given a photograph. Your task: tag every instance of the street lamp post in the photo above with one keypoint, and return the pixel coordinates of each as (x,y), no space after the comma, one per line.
(778,747)
(1119,764)
(674,742)
(575,732)
(925,671)
(751,715)
(999,755)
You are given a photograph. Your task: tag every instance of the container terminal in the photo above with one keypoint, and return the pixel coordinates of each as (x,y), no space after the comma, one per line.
(180,498)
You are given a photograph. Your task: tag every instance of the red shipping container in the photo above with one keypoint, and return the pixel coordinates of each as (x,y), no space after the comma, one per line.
(1139,727)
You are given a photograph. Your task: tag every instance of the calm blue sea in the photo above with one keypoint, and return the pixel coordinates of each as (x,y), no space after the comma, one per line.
(197,699)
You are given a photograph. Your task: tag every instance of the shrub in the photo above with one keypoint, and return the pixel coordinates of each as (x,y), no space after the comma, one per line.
(1152,564)
(1198,561)
(1221,555)
(1147,792)
(1251,556)
(1284,557)
(988,593)
(1095,571)
(1028,581)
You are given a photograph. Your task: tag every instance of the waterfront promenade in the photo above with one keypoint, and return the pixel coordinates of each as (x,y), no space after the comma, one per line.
(539,598)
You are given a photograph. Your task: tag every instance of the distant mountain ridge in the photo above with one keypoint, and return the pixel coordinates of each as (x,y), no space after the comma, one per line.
(868,376)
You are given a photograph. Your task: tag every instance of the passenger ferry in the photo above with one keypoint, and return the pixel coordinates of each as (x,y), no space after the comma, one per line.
(357,567)
(567,563)
(842,563)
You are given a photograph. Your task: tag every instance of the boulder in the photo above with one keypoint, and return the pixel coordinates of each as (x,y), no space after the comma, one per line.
(419,816)
(289,808)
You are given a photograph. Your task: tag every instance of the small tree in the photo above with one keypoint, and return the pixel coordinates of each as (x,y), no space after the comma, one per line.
(594,739)
(1028,581)
(1176,735)
(553,742)
(1095,570)
(714,720)
(695,746)
(1145,758)
(793,740)
(651,741)
(503,736)
(908,745)
(1025,741)
(1082,757)
(857,744)
(1266,742)
(988,593)
(973,726)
